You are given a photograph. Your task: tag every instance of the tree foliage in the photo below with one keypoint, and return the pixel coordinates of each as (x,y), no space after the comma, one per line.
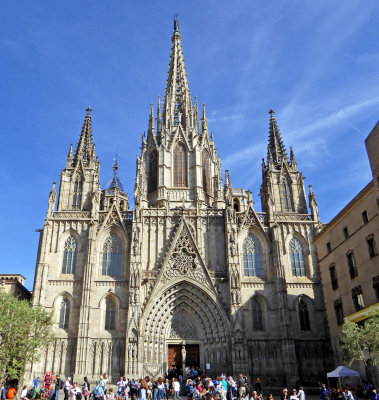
(24,332)
(360,342)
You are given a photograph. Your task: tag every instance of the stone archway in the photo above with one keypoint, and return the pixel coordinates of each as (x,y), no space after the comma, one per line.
(183,313)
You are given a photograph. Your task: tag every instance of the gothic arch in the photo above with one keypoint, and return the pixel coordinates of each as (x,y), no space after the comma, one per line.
(180,166)
(306,251)
(102,307)
(184,296)
(65,235)
(261,300)
(57,302)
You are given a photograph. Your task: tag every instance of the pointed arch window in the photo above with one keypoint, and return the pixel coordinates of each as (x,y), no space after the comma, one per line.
(77,197)
(252,257)
(153,171)
(112,256)
(64,314)
(297,257)
(257,315)
(69,255)
(304,316)
(110,315)
(286,195)
(206,172)
(180,166)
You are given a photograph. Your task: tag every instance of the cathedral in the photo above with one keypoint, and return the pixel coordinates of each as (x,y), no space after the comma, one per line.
(193,275)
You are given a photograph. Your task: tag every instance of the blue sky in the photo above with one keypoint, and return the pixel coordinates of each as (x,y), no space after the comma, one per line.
(314,62)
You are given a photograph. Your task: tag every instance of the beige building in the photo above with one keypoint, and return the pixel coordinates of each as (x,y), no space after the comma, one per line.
(14,283)
(348,256)
(194,275)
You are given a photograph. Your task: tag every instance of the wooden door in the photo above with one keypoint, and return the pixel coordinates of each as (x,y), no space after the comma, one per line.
(192,355)
(175,356)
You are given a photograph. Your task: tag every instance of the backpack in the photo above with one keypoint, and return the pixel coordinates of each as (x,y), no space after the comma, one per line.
(61,384)
(30,393)
(79,396)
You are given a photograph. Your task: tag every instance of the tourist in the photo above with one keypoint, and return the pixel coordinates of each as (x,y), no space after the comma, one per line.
(254,395)
(160,389)
(120,385)
(104,383)
(36,383)
(86,388)
(144,389)
(149,389)
(76,393)
(24,392)
(110,394)
(241,385)
(294,395)
(66,389)
(167,388)
(374,395)
(58,386)
(301,393)
(348,395)
(258,386)
(324,392)
(176,387)
(270,397)
(11,393)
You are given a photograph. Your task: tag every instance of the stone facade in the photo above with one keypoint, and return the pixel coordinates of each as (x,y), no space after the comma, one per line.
(14,283)
(348,258)
(194,264)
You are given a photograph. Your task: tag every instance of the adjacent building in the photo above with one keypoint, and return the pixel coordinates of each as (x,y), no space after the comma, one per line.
(193,275)
(14,283)
(347,249)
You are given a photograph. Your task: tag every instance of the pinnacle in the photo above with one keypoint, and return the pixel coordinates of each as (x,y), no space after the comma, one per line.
(84,149)
(276,149)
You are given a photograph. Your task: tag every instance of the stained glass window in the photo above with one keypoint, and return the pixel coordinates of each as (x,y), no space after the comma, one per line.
(69,255)
(180,166)
(304,316)
(110,315)
(257,315)
(297,257)
(287,195)
(206,172)
(153,171)
(112,256)
(77,198)
(252,257)
(64,314)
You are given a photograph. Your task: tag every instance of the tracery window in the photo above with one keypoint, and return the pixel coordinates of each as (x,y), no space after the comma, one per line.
(112,256)
(304,316)
(206,172)
(286,195)
(153,171)
(69,255)
(257,315)
(64,314)
(110,315)
(297,257)
(77,197)
(252,257)
(180,166)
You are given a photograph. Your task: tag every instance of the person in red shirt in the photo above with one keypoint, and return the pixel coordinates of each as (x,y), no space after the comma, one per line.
(11,393)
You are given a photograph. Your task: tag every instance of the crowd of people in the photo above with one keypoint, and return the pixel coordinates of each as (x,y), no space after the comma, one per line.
(195,386)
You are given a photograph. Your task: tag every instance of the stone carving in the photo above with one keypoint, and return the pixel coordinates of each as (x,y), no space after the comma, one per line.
(183,327)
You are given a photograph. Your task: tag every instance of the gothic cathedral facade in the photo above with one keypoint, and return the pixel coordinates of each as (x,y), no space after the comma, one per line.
(193,275)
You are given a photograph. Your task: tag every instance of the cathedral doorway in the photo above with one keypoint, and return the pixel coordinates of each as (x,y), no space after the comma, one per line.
(190,353)
(175,358)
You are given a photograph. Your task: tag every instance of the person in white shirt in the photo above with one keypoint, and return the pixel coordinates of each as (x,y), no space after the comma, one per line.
(293,395)
(74,392)
(121,385)
(176,387)
(24,392)
(67,386)
(301,394)
(104,383)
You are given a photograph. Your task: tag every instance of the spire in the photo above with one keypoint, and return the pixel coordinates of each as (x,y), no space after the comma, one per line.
(196,112)
(84,148)
(70,156)
(159,114)
(204,121)
(276,147)
(178,101)
(151,120)
(313,204)
(292,158)
(114,182)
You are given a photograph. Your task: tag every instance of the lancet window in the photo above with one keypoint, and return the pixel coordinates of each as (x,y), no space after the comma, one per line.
(77,197)
(286,195)
(180,166)
(153,171)
(304,316)
(297,257)
(110,315)
(69,255)
(64,314)
(206,172)
(257,315)
(252,257)
(112,256)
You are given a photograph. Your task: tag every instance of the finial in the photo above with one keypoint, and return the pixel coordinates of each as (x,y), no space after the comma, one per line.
(115,166)
(271,112)
(89,109)
(176,23)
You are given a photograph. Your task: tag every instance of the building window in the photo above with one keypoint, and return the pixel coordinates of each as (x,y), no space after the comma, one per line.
(338,308)
(236,205)
(69,255)
(252,257)
(153,171)
(364,217)
(297,257)
(112,256)
(110,315)
(77,197)
(328,248)
(375,285)
(180,166)
(286,195)
(206,172)
(333,277)
(371,246)
(64,314)
(257,315)
(345,232)
(352,265)
(304,316)
(357,296)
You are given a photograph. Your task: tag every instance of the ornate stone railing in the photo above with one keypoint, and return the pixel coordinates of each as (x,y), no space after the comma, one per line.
(292,217)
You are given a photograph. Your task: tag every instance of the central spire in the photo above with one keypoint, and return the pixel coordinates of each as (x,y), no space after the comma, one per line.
(178,101)
(276,149)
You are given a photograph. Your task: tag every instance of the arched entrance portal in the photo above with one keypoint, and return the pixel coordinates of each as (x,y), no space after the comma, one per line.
(184,319)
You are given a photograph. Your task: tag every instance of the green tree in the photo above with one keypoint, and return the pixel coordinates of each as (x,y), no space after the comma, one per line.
(24,332)
(360,342)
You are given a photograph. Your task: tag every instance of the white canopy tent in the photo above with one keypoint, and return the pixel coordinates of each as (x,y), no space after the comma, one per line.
(342,372)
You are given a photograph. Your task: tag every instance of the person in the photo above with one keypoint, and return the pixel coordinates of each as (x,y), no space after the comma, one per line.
(348,395)
(76,393)
(324,392)
(24,392)
(167,388)
(160,388)
(4,391)
(86,388)
(241,386)
(270,397)
(301,393)
(120,385)
(58,386)
(258,386)
(294,395)
(66,388)
(36,383)
(11,393)
(374,395)
(149,389)
(176,387)
(104,383)
(143,389)
(110,394)
(284,395)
